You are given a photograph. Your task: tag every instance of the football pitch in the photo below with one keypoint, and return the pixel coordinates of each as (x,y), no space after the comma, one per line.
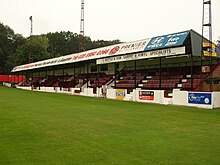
(56,129)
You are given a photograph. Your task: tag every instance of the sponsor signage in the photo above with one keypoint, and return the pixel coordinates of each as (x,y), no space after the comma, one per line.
(115,50)
(146,95)
(200,98)
(143,55)
(170,40)
(205,69)
(209,49)
(120,94)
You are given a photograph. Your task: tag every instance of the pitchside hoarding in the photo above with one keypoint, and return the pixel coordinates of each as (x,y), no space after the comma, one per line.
(146,95)
(120,94)
(200,98)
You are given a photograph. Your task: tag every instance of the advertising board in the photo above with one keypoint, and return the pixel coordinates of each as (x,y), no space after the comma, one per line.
(200,98)
(170,40)
(146,95)
(120,94)
(143,55)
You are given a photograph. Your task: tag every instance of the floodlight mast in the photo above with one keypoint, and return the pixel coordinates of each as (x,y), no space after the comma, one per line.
(81,35)
(31,34)
(207,20)
(207,35)
(31,19)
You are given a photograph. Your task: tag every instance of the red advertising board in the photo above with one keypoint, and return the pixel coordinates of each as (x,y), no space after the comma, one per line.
(12,78)
(146,95)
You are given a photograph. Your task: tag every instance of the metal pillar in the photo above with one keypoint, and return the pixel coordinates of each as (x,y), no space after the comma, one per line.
(160,73)
(115,73)
(53,71)
(32,79)
(46,72)
(98,76)
(74,73)
(14,78)
(54,76)
(87,75)
(21,78)
(18,78)
(191,70)
(39,79)
(135,78)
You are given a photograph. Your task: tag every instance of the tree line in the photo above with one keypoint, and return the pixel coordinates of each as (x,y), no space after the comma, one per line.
(17,50)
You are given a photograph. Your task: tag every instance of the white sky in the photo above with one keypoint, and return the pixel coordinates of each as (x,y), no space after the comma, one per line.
(126,20)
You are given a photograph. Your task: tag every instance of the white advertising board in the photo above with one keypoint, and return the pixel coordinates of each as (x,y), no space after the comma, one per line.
(143,55)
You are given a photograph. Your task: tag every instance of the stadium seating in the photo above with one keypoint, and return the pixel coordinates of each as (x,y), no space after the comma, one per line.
(167,79)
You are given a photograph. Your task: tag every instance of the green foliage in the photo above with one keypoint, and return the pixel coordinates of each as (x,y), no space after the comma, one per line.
(62,43)
(102,43)
(35,47)
(43,128)
(17,50)
(8,44)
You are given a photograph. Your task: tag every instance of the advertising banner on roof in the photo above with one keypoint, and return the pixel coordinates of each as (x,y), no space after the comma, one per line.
(110,51)
(209,49)
(170,40)
(143,55)
(113,50)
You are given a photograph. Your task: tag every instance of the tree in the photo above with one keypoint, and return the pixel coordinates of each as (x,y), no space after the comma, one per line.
(11,60)
(6,46)
(62,43)
(9,41)
(102,43)
(35,47)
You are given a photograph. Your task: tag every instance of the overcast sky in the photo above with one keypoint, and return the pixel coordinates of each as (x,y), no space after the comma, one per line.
(126,20)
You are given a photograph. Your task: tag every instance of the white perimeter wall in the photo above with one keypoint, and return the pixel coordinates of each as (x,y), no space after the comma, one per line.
(179,97)
(111,94)
(216,99)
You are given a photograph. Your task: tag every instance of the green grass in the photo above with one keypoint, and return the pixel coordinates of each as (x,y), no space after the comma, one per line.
(42,128)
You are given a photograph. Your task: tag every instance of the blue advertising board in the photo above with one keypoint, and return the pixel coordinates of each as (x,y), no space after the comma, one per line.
(170,40)
(200,98)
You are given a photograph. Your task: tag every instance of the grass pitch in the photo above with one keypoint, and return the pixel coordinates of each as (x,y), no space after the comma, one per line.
(54,129)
